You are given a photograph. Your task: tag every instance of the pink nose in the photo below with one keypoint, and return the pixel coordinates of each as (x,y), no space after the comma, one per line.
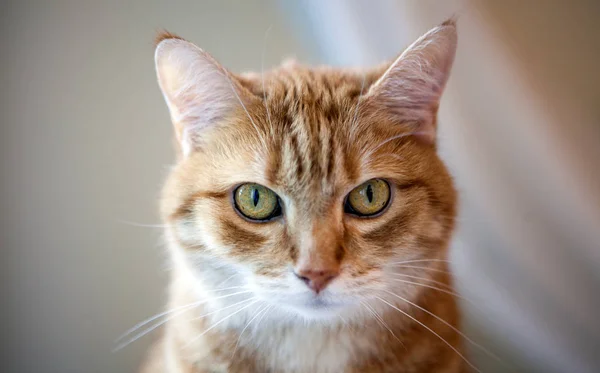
(317,280)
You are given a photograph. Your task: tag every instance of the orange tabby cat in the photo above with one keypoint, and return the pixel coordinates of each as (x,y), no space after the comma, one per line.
(308,217)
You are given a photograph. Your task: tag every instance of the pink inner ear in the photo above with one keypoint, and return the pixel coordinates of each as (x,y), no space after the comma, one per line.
(410,90)
(418,118)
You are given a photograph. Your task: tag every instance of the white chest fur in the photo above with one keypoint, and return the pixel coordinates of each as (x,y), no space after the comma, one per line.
(300,348)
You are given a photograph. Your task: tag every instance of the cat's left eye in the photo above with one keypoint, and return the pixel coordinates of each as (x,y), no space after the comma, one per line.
(368,199)
(256,202)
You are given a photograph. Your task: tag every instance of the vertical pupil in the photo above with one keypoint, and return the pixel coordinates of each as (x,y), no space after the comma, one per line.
(370,193)
(255,196)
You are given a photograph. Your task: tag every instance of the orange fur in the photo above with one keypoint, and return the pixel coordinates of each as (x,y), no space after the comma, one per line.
(311,135)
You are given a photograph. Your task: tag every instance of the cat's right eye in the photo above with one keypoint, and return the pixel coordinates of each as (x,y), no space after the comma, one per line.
(256,202)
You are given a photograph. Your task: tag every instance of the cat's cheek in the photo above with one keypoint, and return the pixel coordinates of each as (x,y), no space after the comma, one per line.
(193,237)
(184,232)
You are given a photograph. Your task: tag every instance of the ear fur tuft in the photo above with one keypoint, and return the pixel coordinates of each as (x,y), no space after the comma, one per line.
(164,35)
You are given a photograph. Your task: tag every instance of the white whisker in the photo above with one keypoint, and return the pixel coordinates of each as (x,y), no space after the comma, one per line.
(425,268)
(453,293)
(229,278)
(424,279)
(223,308)
(448,325)
(172,312)
(157,316)
(220,321)
(229,288)
(153,327)
(432,331)
(245,327)
(148,330)
(370,153)
(380,320)
(423,260)
(344,321)
(264,314)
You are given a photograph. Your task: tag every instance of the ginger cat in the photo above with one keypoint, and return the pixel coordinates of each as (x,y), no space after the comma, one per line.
(308,217)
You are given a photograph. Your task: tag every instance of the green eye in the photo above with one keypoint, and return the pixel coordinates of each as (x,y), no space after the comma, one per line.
(368,198)
(256,202)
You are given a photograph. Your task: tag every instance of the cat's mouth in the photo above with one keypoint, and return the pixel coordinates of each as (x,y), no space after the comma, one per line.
(317,307)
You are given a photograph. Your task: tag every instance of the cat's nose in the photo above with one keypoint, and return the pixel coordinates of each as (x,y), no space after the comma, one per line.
(316,280)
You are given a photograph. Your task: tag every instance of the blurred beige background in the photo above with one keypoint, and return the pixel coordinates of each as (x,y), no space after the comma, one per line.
(85,143)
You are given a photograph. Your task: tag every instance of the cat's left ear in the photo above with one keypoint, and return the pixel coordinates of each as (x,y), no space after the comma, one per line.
(411,88)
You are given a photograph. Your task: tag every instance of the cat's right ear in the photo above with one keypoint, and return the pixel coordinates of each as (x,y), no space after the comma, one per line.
(198,90)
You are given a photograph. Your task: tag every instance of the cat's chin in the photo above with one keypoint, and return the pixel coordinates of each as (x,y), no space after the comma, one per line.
(317,309)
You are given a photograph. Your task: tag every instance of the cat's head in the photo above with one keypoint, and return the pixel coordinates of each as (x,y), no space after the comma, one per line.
(306,185)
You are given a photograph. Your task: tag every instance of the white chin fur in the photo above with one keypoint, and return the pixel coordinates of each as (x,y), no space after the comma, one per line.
(317,309)
(327,313)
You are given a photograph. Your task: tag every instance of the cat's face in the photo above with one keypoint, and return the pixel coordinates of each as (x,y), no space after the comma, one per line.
(310,186)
